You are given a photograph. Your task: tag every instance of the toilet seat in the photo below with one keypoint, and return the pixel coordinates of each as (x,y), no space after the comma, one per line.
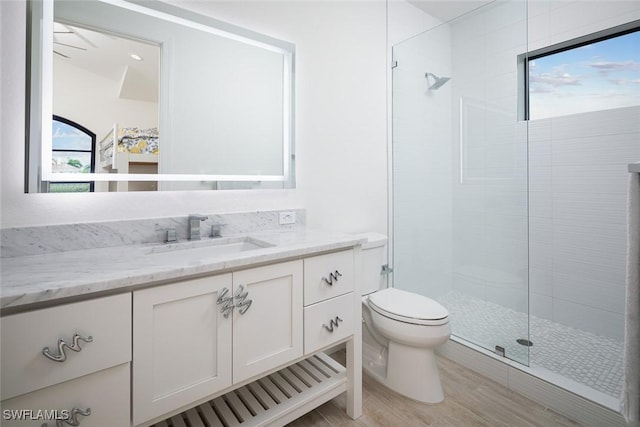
(408,307)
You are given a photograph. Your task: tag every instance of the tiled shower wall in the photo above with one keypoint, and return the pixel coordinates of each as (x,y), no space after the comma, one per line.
(577,177)
(573,241)
(578,183)
(578,189)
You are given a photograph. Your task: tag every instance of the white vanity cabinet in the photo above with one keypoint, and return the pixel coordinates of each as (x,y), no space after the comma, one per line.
(186,349)
(238,346)
(45,368)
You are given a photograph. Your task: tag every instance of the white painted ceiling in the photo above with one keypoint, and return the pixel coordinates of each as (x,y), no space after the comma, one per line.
(446,10)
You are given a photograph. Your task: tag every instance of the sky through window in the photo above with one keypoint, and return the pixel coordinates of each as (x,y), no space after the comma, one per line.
(597,76)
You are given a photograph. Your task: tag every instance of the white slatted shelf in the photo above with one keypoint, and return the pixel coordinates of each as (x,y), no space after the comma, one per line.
(273,400)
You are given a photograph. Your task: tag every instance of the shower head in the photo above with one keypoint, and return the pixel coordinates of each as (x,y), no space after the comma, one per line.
(438,81)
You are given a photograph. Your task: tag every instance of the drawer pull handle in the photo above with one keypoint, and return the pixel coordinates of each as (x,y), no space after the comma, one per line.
(242,302)
(333,277)
(333,324)
(226,302)
(62,344)
(73,417)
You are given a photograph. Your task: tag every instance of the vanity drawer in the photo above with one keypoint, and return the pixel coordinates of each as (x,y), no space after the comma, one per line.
(319,331)
(24,336)
(327,276)
(105,393)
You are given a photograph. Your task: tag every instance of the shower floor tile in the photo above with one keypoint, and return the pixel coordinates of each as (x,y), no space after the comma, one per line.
(583,357)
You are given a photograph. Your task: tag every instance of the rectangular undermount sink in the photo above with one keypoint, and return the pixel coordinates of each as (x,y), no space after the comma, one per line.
(211,247)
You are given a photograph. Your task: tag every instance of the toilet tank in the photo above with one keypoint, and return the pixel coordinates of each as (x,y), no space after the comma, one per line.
(374,256)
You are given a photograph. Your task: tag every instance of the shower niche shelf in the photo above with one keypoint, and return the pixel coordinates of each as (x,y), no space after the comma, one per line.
(273,400)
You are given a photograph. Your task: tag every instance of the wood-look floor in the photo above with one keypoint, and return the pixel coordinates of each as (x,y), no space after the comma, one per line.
(470,400)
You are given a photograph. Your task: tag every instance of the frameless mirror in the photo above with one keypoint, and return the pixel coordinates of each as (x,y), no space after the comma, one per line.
(128,95)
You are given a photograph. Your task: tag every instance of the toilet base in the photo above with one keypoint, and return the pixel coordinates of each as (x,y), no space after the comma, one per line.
(413,372)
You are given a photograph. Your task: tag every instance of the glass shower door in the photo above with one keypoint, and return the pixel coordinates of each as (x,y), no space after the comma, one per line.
(460,205)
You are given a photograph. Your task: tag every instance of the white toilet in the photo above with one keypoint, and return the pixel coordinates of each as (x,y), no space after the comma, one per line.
(401,332)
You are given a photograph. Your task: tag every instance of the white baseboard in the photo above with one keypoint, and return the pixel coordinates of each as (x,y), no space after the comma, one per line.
(516,378)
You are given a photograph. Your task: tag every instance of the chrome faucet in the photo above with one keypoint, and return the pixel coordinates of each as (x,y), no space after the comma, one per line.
(194,226)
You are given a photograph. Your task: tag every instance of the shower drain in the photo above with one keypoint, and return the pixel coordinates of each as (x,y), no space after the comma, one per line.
(524,341)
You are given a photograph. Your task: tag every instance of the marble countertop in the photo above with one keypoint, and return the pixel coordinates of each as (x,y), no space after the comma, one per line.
(46,278)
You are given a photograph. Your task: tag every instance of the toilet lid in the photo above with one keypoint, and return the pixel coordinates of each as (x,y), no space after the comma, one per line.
(408,307)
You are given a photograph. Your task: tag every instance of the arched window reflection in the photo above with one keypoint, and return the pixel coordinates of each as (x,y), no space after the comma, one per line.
(73,152)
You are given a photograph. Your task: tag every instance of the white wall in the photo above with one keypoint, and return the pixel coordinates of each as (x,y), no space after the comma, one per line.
(76,92)
(340,124)
(578,181)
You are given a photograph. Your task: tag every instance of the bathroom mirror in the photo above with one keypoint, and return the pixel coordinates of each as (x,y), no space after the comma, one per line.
(163,98)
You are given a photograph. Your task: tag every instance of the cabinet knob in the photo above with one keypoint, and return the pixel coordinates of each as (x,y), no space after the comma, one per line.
(226,303)
(62,344)
(334,323)
(333,277)
(242,302)
(72,418)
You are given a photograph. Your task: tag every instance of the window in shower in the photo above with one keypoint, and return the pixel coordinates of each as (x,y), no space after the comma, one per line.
(596,72)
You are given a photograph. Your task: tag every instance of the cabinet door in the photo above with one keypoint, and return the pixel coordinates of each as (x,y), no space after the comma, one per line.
(24,336)
(100,399)
(181,345)
(328,276)
(269,333)
(328,322)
